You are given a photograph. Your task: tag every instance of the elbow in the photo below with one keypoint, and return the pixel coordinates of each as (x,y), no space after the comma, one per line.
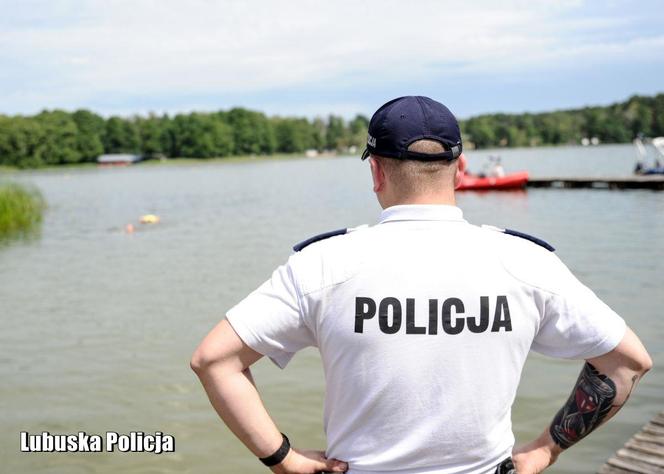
(645,364)
(641,362)
(201,360)
(637,355)
(219,352)
(197,362)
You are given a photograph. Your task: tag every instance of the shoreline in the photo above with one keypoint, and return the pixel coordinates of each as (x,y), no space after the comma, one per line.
(178,161)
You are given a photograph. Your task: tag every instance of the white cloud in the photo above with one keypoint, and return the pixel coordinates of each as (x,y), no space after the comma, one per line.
(69,52)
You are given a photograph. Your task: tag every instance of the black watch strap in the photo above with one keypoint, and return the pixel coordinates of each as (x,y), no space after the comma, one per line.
(279,454)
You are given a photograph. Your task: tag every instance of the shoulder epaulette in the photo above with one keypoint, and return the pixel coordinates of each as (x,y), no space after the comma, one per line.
(323,236)
(523,235)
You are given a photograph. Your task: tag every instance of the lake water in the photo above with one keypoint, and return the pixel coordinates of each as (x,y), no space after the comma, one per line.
(97,326)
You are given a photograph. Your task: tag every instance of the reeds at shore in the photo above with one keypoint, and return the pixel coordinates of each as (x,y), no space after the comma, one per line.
(21,209)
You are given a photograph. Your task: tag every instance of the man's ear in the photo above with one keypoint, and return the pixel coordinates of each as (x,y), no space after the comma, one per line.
(378,174)
(461,169)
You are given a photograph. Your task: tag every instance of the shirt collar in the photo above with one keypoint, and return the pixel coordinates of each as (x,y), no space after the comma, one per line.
(421,212)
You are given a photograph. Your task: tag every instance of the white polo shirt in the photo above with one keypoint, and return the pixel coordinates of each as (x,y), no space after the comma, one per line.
(423,323)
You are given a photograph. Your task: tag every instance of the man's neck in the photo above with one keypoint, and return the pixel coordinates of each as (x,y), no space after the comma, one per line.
(447,199)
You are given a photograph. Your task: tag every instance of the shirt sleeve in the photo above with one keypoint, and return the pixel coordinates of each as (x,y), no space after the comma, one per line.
(270,320)
(575,323)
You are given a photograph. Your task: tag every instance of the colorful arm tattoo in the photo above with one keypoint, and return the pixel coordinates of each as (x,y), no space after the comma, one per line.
(585,409)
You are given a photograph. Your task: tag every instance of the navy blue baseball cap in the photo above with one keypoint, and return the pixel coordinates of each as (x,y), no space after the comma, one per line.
(400,122)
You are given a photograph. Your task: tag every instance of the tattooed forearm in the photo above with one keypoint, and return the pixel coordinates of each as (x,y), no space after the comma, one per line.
(587,406)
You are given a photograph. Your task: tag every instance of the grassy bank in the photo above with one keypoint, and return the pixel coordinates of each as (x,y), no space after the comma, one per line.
(21,209)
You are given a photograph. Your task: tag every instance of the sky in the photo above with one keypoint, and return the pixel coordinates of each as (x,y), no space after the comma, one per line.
(316,57)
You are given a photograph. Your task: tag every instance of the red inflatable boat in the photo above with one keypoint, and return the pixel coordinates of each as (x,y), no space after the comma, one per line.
(510,181)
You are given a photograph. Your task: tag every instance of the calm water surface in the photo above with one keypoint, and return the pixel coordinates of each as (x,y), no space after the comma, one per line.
(97,326)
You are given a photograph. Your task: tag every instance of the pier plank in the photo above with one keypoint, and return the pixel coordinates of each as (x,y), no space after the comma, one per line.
(645,448)
(654,429)
(655,182)
(649,438)
(631,467)
(642,454)
(610,469)
(657,461)
(658,420)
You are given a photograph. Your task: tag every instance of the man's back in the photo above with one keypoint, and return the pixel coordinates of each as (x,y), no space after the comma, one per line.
(424,323)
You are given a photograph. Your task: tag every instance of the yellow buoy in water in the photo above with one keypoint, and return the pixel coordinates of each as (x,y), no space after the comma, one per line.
(149,219)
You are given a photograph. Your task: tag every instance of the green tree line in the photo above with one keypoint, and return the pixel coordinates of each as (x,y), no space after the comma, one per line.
(60,137)
(616,123)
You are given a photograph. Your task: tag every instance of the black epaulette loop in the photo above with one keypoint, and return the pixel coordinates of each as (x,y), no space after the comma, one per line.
(319,237)
(523,235)
(326,235)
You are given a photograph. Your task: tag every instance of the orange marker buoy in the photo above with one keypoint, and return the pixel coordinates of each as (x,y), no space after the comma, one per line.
(129,228)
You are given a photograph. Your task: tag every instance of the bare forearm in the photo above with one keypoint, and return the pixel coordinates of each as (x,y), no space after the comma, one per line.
(222,363)
(236,400)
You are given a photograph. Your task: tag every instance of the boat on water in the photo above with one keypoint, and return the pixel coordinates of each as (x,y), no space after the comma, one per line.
(118,159)
(485,183)
(651,171)
(642,168)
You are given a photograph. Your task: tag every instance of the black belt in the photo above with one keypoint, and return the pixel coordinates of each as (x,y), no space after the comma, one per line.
(506,467)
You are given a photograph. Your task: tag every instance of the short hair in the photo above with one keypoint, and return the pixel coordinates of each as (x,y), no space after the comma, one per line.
(414,176)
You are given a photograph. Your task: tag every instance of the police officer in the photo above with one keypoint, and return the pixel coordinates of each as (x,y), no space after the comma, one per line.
(423,323)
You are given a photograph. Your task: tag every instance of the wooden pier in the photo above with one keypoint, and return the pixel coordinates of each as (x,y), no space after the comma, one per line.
(642,454)
(653,182)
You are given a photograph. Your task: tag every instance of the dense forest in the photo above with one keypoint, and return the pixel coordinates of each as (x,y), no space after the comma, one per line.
(616,123)
(60,137)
